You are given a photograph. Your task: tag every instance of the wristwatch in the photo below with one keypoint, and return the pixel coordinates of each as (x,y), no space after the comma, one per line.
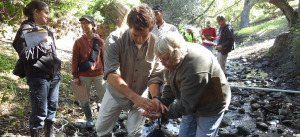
(157,97)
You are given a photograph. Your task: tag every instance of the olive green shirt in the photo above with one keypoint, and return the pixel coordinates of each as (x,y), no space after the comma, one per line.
(194,73)
(137,67)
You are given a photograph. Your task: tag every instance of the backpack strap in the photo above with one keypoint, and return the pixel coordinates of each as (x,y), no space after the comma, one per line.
(89,62)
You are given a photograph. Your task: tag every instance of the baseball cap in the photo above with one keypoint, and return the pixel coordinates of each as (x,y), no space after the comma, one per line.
(156,7)
(88,18)
(188,27)
(208,23)
(220,17)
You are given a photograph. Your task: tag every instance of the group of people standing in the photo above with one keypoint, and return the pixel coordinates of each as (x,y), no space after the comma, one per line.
(223,42)
(132,61)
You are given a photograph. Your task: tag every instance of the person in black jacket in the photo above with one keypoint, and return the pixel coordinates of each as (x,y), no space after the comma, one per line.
(225,41)
(40,65)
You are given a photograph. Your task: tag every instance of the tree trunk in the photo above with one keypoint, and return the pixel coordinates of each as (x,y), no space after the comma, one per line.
(299,8)
(290,14)
(248,4)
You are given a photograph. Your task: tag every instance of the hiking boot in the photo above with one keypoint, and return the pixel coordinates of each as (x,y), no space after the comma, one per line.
(89,117)
(49,129)
(34,133)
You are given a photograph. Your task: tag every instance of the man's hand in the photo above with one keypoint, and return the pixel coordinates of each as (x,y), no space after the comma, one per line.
(151,115)
(144,103)
(49,41)
(159,106)
(219,47)
(77,81)
(203,37)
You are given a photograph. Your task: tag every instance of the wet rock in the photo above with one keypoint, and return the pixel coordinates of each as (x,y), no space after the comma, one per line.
(283,84)
(261,103)
(259,119)
(276,95)
(255,106)
(287,122)
(262,125)
(266,63)
(232,79)
(233,131)
(255,114)
(236,104)
(248,82)
(244,60)
(120,133)
(283,112)
(246,127)
(226,121)
(268,106)
(280,129)
(234,89)
(259,65)
(241,110)
(261,93)
(278,117)
(231,107)
(269,99)
(223,132)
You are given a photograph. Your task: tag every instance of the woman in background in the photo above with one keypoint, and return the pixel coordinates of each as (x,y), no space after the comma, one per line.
(87,64)
(41,67)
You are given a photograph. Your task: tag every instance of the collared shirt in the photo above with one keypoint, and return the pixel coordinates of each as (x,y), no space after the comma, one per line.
(137,67)
(212,32)
(164,28)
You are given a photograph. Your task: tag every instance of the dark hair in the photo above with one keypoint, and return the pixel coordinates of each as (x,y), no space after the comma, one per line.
(29,8)
(141,17)
(220,17)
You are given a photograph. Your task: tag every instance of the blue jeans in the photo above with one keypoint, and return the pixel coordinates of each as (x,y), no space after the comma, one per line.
(44,100)
(210,48)
(195,126)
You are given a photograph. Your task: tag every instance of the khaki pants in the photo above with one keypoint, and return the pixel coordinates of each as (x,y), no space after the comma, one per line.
(222,60)
(109,114)
(99,83)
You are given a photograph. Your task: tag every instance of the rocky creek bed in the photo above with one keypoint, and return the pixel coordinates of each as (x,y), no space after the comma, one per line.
(251,112)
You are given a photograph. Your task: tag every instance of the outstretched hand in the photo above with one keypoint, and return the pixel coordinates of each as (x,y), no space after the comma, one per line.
(159,106)
(144,103)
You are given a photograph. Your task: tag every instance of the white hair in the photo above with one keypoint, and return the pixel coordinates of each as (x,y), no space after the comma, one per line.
(171,43)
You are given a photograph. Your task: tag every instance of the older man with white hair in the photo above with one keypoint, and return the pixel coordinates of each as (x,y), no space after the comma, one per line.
(195,78)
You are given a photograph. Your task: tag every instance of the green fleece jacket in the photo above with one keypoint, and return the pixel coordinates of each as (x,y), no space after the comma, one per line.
(194,73)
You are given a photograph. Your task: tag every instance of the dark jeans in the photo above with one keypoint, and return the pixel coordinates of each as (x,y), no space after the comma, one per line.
(44,100)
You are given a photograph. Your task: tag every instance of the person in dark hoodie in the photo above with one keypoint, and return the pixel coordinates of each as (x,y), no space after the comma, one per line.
(40,65)
(225,41)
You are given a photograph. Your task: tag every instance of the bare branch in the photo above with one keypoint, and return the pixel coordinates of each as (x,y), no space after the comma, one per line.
(200,16)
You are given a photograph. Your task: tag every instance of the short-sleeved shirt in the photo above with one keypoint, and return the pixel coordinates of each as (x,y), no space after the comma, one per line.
(212,32)
(189,36)
(164,28)
(137,67)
